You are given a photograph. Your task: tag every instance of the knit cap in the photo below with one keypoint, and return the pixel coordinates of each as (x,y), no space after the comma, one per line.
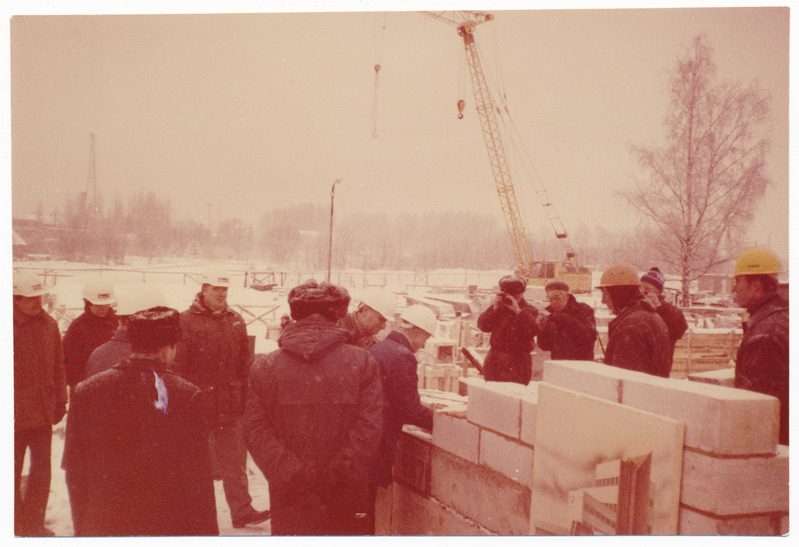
(654,277)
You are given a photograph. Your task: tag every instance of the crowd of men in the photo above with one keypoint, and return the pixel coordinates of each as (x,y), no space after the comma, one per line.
(162,403)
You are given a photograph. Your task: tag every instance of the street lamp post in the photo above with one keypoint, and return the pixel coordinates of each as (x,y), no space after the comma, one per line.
(330,241)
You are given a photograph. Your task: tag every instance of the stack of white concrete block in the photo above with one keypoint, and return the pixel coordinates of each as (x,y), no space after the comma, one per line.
(734,474)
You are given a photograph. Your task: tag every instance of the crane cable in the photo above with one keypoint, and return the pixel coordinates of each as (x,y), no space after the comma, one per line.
(516,143)
(378,57)
(525,160)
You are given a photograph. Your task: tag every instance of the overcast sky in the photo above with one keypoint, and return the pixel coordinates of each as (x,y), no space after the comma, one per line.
(240,113)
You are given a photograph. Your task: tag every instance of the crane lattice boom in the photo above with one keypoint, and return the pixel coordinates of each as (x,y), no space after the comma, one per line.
(466,21)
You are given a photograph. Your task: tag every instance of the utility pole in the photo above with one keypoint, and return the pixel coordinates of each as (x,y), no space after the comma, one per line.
(330,241)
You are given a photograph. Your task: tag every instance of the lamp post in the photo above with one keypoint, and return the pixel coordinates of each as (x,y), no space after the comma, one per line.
(330,241)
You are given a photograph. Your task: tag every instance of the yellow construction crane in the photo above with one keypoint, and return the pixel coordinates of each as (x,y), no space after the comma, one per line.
(537,272)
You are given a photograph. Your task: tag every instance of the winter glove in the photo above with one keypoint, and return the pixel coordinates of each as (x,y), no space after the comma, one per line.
(58,414)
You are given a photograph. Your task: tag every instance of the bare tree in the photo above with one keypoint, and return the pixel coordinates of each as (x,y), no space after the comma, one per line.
(703,184)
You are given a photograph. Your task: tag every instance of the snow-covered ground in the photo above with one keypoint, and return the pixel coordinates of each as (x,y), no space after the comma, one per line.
(59,517)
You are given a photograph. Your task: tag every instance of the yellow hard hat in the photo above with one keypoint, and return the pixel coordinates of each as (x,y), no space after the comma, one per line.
(619,275)
(757,262)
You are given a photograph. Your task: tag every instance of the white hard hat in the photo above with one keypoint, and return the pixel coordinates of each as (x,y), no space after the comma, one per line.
(422,317)
(140,298)
(99,291)
(28,284)
(382,301)
(216,276)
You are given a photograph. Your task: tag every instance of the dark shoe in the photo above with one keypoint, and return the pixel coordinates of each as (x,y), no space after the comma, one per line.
(251,517)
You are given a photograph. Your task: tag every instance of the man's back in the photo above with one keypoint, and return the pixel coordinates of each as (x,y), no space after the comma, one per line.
(136,456)
(313,424)
(638,339)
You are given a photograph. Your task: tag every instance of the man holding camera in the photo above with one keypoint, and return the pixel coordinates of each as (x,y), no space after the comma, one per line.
(512,324)
(568,332)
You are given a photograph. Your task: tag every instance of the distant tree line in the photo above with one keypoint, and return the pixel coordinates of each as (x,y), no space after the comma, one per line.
(297,237)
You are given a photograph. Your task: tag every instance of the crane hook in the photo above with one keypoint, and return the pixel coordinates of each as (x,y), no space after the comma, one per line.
(461,105)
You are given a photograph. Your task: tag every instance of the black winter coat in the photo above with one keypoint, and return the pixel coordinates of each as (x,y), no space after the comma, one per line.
(675,321)
(763,362)
(312,424)
(83,336)
(512,340)
(402,404)
(639,340)
(570,333)
(134,467)
(214,355)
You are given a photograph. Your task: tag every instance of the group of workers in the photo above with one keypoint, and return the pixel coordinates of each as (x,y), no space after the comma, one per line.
(641,337)
(643,334)
(162,403)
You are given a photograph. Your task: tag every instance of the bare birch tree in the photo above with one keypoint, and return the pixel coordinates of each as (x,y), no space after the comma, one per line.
(701,187)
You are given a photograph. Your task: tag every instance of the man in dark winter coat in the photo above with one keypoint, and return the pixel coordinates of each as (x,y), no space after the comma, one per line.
(135,454)
(512,324)
(402,405)
(652,284)
(637,337)
(214,355)
(314,419)
(763,359)
(569,331)
(93,328)
(118,347)
(40,401)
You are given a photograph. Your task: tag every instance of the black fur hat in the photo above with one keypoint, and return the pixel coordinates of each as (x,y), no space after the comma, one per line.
(151,329)
(513,284)
(324,298)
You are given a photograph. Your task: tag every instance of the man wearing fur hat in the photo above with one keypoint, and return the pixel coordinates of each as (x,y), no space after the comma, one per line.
(569,329)
(512,324)
(652,284)
(313,419)
(135,454)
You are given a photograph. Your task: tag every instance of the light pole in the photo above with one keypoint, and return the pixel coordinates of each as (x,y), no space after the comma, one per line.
(330,241)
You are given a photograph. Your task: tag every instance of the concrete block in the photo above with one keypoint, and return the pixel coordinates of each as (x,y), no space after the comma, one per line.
(456,435)
(589,377)
(481,494)
(730,486)
(721,377)
(415,515)
(508,456)
(693,523)
(718,420)
(529,411)
(496,406)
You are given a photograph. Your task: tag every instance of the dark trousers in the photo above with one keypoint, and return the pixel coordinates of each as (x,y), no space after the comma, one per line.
(229,458)
(505,366)
(29,509)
